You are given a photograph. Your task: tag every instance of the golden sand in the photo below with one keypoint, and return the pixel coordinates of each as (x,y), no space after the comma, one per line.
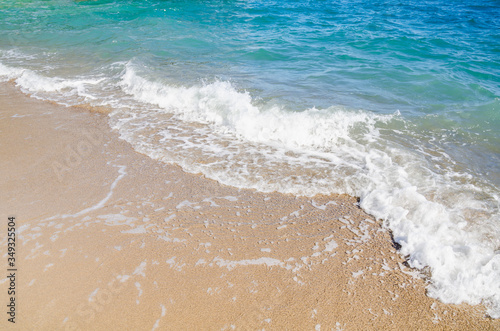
(108,239)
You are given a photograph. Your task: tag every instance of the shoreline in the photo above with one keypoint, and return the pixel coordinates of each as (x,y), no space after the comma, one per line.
(109,238)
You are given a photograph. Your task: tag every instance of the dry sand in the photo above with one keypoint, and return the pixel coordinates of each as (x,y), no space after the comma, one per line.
(108,239)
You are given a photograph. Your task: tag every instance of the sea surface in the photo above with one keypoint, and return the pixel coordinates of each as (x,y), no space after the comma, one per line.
(395,102)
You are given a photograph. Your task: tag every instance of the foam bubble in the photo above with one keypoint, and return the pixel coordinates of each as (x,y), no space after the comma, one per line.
(439,215)
(49,88)
(444,218)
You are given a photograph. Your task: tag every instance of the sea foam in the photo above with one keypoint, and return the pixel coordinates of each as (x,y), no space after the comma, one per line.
(444,219)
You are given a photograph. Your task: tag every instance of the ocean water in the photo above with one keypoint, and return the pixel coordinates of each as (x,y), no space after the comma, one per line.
(395,102)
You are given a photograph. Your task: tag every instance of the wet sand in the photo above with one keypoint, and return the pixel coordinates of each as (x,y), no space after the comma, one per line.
(108,239)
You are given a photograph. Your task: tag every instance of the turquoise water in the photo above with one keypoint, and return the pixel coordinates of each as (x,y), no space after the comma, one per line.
(394,102)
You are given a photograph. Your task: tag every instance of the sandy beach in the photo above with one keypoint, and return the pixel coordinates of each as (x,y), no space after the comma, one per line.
(109,239)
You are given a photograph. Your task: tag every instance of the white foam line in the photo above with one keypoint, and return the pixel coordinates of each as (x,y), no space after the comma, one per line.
(263,260)
(92,295)
(157,323)
(101,203)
